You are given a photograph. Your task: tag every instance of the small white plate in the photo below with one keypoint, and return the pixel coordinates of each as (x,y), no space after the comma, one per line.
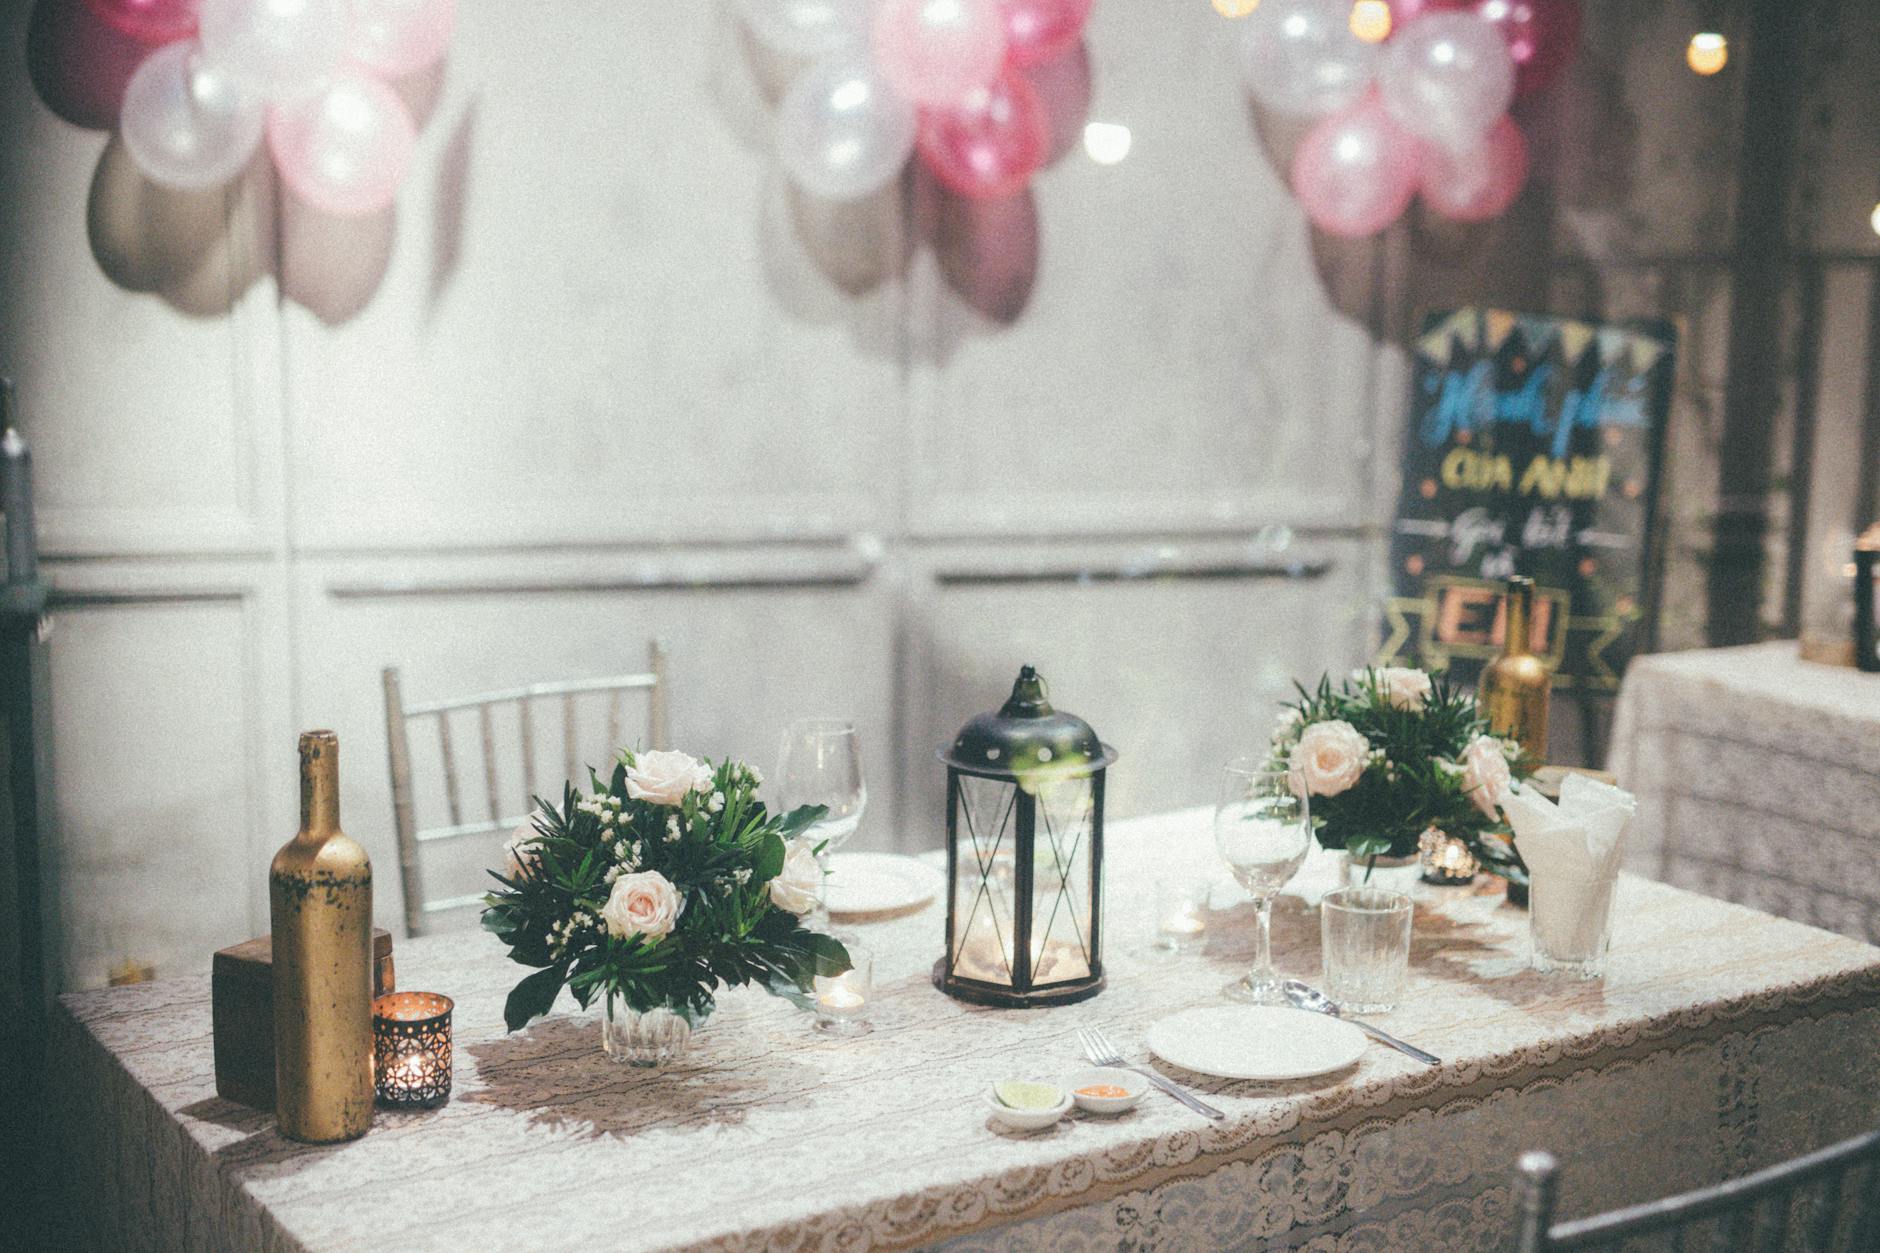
(1027,1119)
(1128,1080)
(1256,1042)
(879,883)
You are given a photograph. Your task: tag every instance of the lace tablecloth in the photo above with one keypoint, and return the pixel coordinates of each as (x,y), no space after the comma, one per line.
(1758,778)
(1722,1039)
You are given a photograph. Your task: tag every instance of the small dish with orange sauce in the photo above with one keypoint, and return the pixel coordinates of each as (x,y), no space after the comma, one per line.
(1105,1089)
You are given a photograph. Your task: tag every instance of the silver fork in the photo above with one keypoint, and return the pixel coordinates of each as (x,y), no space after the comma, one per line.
(1101,1052)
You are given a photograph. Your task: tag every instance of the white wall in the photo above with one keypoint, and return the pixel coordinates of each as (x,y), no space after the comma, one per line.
(615,379)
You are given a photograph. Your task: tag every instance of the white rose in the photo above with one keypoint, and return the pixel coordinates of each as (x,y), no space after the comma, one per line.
(642,904)
(519,853)
(1329,758)
(1485,774)
(799,884)
(1403,687)
(664,777)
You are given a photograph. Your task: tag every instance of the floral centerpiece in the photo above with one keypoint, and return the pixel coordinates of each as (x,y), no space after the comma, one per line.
(1390,754)
(651,892)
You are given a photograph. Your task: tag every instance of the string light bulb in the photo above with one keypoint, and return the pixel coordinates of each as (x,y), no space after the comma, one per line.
(1370,20)
(1708,53)
(1235,8)
(1874,221)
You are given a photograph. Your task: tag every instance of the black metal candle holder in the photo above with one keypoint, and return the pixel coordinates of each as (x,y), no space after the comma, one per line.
(411,1049)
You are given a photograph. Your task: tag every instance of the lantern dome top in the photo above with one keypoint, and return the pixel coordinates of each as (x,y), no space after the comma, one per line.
(1027,737)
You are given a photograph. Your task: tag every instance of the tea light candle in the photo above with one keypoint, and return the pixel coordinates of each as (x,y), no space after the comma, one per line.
(1181,913)
(411,1049)
(842,1000)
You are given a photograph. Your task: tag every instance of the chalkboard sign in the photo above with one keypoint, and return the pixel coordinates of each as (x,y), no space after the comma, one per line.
(1534,448)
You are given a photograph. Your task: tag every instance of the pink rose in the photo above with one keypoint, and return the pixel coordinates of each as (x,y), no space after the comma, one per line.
(1403,687)
(1485,774)
(1329,758)
(664,777)
(642,904)
(520,853)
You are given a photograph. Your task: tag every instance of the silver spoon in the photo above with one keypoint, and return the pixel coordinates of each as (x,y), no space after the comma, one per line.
(1311,998)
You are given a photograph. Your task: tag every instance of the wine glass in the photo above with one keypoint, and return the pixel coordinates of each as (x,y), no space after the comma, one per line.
(1263,834)
(820,763)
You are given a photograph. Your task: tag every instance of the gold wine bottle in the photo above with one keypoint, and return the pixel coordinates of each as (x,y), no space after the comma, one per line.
(320,901)
(1516,685)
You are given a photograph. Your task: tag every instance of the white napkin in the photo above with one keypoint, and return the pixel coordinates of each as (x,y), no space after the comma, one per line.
(1572,854)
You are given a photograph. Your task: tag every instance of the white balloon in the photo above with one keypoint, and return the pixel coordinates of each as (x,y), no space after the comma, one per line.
(841,131)
(1447,77)
(185,125)
(285,47)
(1299,57)
(806,28)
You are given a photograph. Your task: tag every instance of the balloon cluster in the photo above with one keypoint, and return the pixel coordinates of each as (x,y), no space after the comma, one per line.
(1422,112)
(887,78)
(309,75)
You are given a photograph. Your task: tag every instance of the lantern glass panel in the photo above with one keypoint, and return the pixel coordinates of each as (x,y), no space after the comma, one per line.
(984,890)
(1061,894)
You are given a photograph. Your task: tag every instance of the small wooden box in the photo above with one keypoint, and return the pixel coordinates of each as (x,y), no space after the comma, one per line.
(242,1014)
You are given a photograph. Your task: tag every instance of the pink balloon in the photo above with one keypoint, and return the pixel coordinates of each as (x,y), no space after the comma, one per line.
(1480,184)
(344,149)
(1542,36)
(1037,31)
(991,144)
(393,38)
(149,21)
(935,52)
(1355,171)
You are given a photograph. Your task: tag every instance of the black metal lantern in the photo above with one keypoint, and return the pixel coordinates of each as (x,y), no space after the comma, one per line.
(411,1059)
(1024,855)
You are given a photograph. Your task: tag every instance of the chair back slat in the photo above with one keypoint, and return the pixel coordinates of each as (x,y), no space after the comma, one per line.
(452,801)
(526,720)
(399,716)
(1750,1212)
(487,729)
(568,737)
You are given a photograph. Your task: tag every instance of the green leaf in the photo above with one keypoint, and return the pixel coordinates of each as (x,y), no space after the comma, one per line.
(532,997)
(1364,846)
(796,820)
(767,861)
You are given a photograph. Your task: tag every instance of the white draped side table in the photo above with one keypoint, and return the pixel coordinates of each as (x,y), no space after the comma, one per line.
(1758,778)
(1722,1039)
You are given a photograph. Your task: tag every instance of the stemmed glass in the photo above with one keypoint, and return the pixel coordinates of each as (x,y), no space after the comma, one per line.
(1263,834)
(820,763)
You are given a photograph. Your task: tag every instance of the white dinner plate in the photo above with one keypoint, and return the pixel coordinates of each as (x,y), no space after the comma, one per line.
(877,883)
(1256,1042)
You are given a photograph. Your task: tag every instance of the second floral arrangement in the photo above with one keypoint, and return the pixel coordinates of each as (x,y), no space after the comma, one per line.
(1389,754)
(658,887)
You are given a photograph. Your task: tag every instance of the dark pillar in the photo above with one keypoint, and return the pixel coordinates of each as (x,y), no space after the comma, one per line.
(1761,250)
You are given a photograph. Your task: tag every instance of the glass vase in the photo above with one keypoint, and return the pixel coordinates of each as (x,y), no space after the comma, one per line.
(1398,874)
(654,1038)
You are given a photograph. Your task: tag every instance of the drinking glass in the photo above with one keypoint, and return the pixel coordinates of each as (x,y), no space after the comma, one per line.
(1364,936)
(820,763)
(1262,832)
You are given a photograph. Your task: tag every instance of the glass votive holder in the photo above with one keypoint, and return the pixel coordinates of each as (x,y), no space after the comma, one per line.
(411,1049)
(1181,913)
(1364,936)
(842,1000)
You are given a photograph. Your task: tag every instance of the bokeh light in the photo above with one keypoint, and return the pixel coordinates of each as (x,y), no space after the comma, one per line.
(1708,52)
(1370,21)
(1235,8)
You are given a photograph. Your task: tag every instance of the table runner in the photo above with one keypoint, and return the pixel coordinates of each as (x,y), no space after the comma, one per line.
(1758,778)
(1722,1039)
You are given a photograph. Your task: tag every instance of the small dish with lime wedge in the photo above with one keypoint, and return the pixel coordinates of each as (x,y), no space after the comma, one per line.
(1027,1106)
